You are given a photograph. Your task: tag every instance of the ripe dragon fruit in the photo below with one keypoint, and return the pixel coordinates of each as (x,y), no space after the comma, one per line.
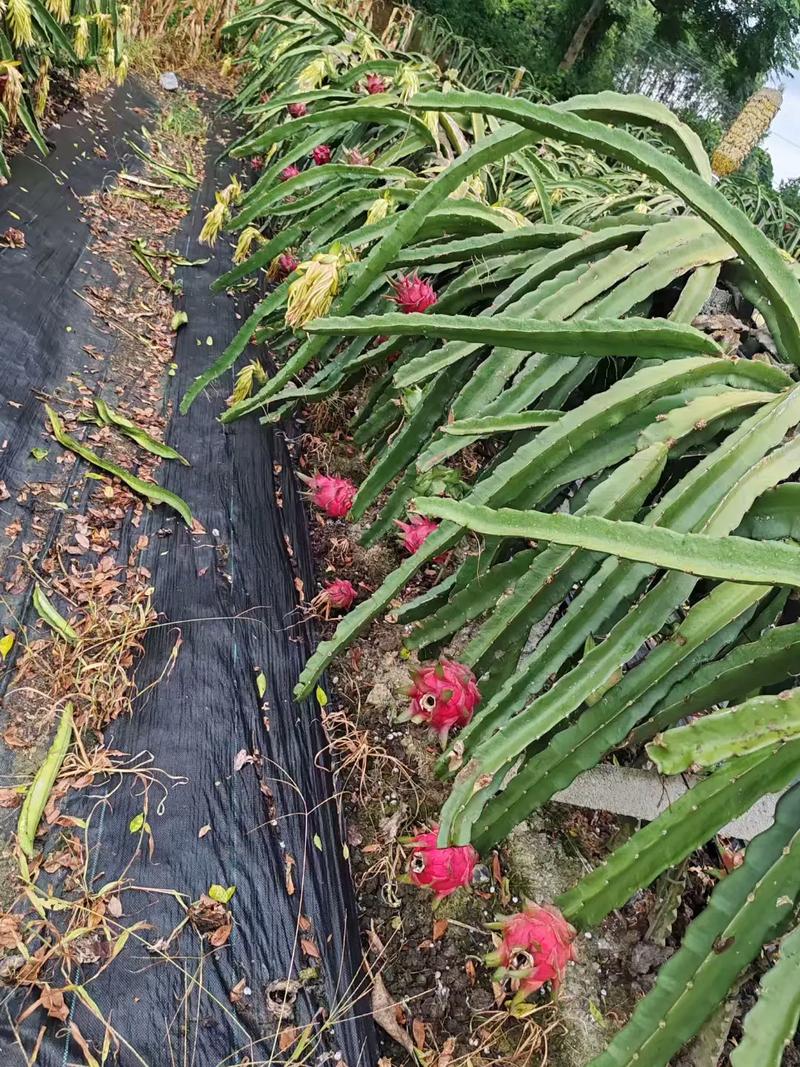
(444,870)
(443,695)
(374,83)
(290,172)
(333,495)
(339,594)
(536,947)
(257,164)
(297,110)
(415,532)
(287,264)
(321,155)
(411,293)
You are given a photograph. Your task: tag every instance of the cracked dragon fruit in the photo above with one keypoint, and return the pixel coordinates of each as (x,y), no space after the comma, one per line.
(374,83)
(321,155)
(297,110)
(536,946)
(443,695)
(411,294)
(444,870)
(290,172)
(332,495)
(340,594)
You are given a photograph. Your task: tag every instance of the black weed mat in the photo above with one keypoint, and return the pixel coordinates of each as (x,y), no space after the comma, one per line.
(249,804)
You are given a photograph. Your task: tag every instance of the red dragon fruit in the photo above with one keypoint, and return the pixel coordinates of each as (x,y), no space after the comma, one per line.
(443,695)
(536,947)
(333,495)
(321,154)
(290,172)
(444,870)
(287,264)
(374,83)
(297,110)
(415,532)
(257,164)
(411,293)
(338,594)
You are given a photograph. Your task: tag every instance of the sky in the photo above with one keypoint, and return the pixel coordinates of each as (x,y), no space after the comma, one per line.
(783,141)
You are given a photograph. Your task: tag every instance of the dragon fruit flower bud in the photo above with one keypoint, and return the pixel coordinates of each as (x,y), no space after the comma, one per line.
(443,695)
(411,294)
(340,594)
(536,946)
(444,870)
(321,155)
(290,172)
(332,495)
(297,110)
(374,83)
(356,158)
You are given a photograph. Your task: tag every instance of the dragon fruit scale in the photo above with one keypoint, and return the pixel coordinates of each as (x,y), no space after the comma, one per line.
(536,946)
(444,870)
(411,294)
(443,695)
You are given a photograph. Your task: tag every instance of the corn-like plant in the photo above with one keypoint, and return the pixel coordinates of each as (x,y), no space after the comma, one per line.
(637,509)
(38,35)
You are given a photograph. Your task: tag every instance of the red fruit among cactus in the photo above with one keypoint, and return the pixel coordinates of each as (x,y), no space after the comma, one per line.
(257,163)
(332,495)
(321,155)
(374,83)
(339,594)
(290,172)
(443,695)
(287,264)
(411,294)
(444,870)
(415,532)
(297,110)
(536,946)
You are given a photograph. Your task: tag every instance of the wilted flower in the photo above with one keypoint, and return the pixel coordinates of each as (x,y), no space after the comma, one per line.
(332,495)
(248,237)
(11,86)
(338,594)
(81,39)
(312,76)
(321,155)
(443,695)
(19,22)
(249,376)
(411,294)
(379,209)
(220,212)
(514,217)
(536,946)
(12,238)
(356,158)
(311,294)
(407,82)
(444,870)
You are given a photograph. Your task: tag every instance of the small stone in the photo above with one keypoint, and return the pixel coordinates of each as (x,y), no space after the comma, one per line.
(169,81)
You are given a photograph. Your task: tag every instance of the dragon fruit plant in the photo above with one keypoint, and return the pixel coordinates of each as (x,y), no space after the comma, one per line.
(444,695)
(411,294)
(444,870)
(338,595)
(321,155)
(535,947)
(330,494)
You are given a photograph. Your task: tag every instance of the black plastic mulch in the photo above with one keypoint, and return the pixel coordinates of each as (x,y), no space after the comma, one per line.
(251,799)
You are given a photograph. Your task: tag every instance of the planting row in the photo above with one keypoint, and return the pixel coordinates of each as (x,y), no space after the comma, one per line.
(575,458)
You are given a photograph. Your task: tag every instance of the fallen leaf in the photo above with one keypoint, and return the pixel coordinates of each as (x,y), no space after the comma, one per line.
(236,994)
(418,1029)
(114,907)
(288,877)
(204,830)
(287,1038)
(309,948)
(10,798)
(440,929)
(383,1014)
(446,1055)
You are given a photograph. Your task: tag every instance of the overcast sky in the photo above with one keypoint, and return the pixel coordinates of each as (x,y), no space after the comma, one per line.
(783,142)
